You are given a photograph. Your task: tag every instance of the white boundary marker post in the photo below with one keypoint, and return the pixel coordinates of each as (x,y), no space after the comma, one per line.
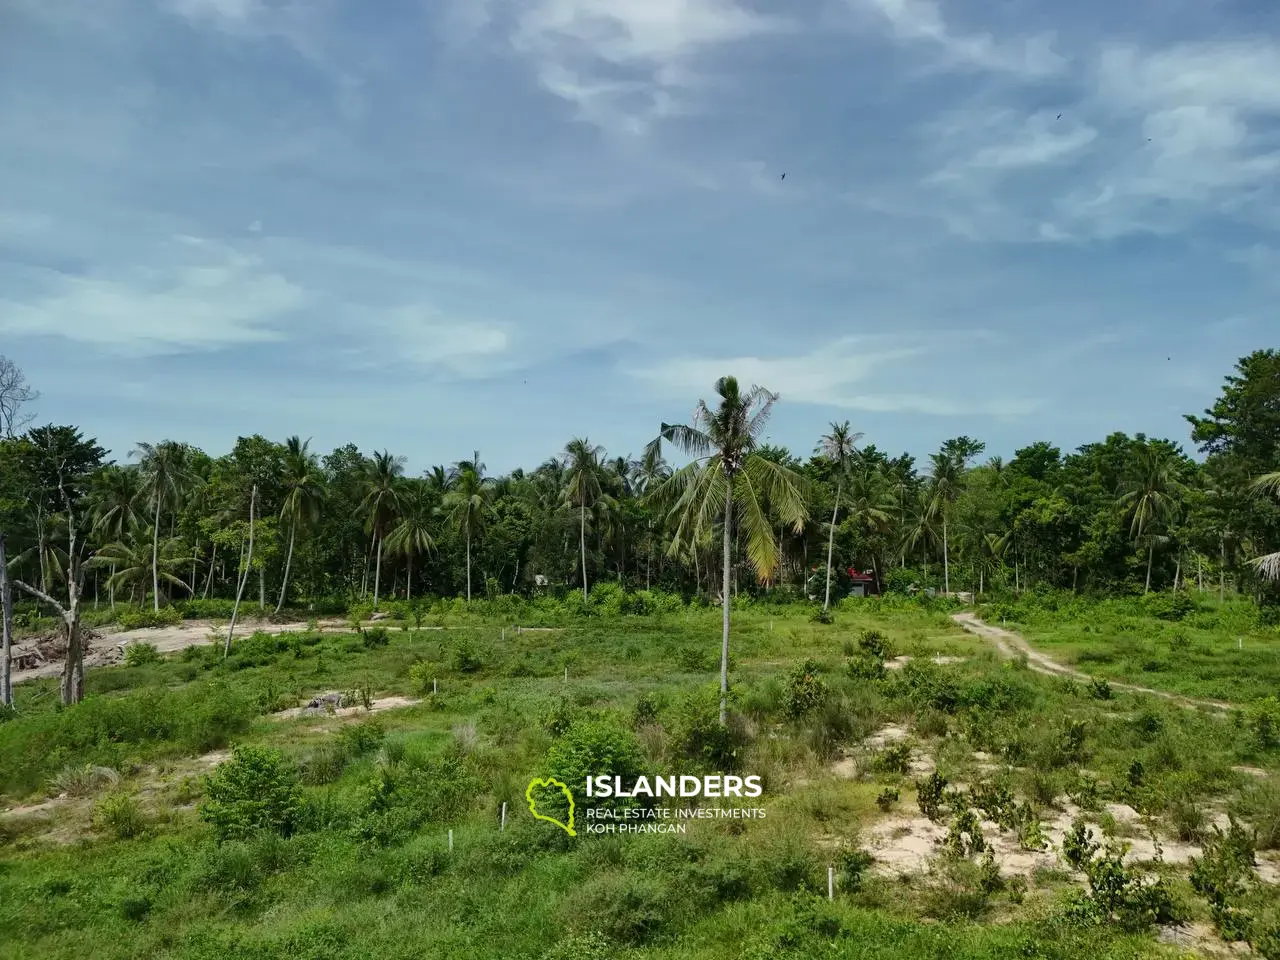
(435,686)
(504,816)
(831,883)
(566,674)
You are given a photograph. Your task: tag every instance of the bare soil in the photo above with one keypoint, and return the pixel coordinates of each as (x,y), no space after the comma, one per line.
(1012,645)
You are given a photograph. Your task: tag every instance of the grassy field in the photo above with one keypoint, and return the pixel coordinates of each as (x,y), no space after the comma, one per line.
(340,846)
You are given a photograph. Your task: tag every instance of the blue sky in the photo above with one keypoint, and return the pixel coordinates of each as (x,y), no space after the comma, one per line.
(432,226)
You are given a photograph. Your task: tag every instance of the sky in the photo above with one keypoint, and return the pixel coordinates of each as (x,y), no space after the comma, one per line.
(439,226)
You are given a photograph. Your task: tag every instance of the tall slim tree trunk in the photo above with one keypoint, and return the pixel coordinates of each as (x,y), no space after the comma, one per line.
(244,577)
(408,582)
(262,588)
(208,584)
(648,560)
(831,544)
(946,558)
(377,573)
(1151,552)
(191,588)
(582,542)
(1177,572)
(1222,571)
(155,556)
(468,566)
(724,640)
(111,586)
(288,561)
(6,630)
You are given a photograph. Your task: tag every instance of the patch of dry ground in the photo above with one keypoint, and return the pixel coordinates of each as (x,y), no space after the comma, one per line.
(1012,645)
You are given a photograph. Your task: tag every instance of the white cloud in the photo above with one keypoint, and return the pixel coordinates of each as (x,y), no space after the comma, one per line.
(827,377)
(922,21)
(625,64)
(194,295)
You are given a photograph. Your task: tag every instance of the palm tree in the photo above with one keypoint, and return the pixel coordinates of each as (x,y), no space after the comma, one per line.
(870,505)
(412,535)
(469,502)
(647,474)
(1150,499)
(131,567)
(115,497)
(1268,565)
(381,499)
(167,475)
(582,488)
(839,448)
(304,491)
(726,481)
(944,488)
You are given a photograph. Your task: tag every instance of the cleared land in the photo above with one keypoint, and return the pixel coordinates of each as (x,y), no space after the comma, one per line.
(106,852)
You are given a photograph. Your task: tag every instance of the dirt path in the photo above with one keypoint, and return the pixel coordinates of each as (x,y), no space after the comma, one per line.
(107,648)
(1013,645)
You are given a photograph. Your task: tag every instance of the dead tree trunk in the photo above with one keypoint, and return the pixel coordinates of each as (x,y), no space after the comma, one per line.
(6,630)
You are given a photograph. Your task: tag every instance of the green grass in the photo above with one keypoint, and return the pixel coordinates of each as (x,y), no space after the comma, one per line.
(368,874)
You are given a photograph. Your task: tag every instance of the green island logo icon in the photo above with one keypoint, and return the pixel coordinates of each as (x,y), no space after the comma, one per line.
(533,804)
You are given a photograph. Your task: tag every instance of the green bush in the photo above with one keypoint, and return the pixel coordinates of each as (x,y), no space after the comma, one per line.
(257,789)
(375,637)
(804,692)
(594,747)
(466,657)
(119,815)
(141,655)
(137,619)
(697,734)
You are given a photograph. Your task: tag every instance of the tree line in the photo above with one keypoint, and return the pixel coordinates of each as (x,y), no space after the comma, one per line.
(171,522)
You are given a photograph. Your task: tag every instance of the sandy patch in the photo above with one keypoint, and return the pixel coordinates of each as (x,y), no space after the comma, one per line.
(897,663)
(380,705)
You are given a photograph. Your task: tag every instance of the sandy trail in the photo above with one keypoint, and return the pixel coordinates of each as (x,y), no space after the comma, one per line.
(1013,645)
(107,648)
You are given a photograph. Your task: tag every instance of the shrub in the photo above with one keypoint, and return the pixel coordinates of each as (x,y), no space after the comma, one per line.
(255,790)
(874,644)
(646,710)
(466,658)
(595,747)
(119,815)
(965,836)
(83,781)
(929,795)
(895,758)
(1078,845)
(805,690)
(821,615)
(865,667)
(591,946)
(138,619)
(1263,721)
(693,660)
(697,734)
(376,637)
(1099,689)
(361,738)
(887,799)
(141,654)
(627,908)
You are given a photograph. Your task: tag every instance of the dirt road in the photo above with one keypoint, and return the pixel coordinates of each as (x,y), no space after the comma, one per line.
(107,647)
(1013,645)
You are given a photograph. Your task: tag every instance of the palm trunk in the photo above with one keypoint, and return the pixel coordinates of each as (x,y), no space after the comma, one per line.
(1222,571)
(191,588)
(208,584)
(582,541)
(408,582)
(155,556)
(1151,552)
(111,586)
(262,588)
(377,573)
(288,561)
(6,630)
(724,639)
(831,544)
(946,559)
(244,577)
(468,566)
(1177,572)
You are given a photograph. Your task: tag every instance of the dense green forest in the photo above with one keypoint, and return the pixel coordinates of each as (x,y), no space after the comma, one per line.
(1127,514)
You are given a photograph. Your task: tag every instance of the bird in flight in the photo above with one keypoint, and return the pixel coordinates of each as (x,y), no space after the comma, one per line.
(783,177)
(1059,116)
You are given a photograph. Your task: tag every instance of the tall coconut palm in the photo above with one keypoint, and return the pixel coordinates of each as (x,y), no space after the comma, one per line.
(647,474)
(838,448)
(167,475)
(114,501)
(870,505)
(131,567)
(381,485)
(582,488)
(469,503)
(1150,499)
(304,492)
(727,480)
(944,489)
(412,535)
